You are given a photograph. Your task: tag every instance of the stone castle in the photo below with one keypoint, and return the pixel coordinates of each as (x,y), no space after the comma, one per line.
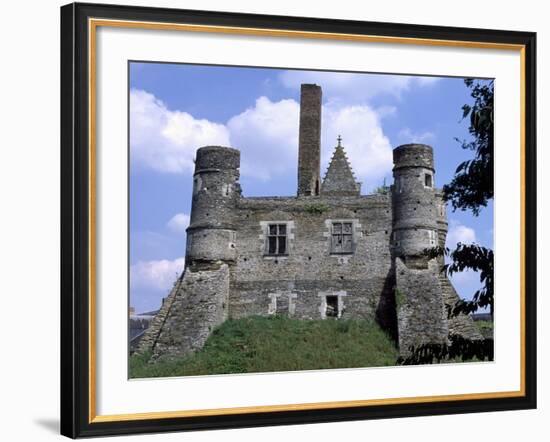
(329,252)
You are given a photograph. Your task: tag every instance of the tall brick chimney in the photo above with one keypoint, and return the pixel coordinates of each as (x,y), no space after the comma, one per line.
(309,150)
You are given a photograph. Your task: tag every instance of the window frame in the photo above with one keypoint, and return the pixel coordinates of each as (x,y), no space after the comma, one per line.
(397,238)
(432,237)
(430,177)
(342,235)
(336,313)
(277,236)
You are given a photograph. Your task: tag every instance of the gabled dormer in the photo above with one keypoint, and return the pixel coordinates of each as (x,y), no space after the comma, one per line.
(339,179)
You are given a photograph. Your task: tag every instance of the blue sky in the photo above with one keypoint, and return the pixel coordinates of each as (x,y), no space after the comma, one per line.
(176,108)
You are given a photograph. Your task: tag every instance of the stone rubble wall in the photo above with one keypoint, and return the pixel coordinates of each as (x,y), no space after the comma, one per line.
(150,336)
(310,271)
(196,306)
(462,324)
(421,313)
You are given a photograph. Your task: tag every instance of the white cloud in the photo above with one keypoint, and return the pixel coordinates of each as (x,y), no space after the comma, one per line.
(267,136)
(466,282)
(426,81)
(368,148)
(459,233)
(166,140)
(355,86)
(155,275)
(405,135)
(178,223)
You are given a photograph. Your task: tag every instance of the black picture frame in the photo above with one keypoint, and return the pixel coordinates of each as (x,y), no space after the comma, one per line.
(76,402)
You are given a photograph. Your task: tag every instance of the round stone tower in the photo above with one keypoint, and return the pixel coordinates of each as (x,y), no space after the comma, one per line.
(216,189)
(415,202)
(442,224)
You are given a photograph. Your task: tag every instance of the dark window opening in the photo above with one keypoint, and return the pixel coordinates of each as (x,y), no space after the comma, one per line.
(332,306)
(281,246)
(317,187)
(276,239)
(342,238)
(272,245)
(427,180)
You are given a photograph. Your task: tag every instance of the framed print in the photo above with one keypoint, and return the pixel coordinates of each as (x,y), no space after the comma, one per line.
(273,220)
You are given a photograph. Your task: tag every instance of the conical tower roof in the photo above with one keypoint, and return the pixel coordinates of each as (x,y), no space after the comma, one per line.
(339,179)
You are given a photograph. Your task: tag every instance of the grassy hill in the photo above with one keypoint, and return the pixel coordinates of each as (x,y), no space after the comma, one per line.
(263,344)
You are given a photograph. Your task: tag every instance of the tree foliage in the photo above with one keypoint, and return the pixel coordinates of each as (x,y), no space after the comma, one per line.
(458,348)
(472,186)
(470,189)
(479,259)
(469,257)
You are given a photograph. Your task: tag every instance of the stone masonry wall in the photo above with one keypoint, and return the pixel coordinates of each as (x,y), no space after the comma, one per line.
(149,339)
(197,305)
(462,324)
(300,281)
(421,313)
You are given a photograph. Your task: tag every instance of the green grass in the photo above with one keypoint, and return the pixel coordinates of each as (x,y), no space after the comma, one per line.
(260,344)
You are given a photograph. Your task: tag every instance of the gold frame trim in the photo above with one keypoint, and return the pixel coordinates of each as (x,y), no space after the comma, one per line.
(93,24)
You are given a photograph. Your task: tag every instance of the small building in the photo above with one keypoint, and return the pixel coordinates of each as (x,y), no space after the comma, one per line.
(327,253)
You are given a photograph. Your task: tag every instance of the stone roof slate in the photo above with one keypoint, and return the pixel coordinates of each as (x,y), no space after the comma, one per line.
(339,179)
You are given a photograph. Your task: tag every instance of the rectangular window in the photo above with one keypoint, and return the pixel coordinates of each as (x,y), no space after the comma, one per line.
(428,180)
(432,236)
(332,306)
(396,238)
(276,239)
(342,237)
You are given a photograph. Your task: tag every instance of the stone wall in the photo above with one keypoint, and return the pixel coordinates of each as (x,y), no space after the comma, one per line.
(462,324)
(303,278)
(196,305)
(149,339)
(199,300)
(421,313)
